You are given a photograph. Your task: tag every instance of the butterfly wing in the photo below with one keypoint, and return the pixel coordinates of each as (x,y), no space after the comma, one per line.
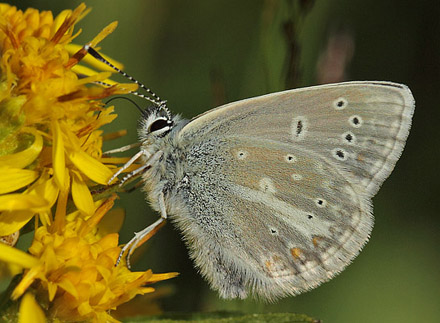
(277,189)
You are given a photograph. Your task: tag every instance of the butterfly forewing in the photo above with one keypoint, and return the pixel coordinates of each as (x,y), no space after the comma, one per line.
(361,126)
(277,191)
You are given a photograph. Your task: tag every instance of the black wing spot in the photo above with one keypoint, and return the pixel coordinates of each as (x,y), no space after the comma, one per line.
(340,154)
(355,121)
(340,103)
(299,127)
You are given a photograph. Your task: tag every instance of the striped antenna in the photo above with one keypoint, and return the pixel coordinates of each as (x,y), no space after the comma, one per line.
(155,99)
(139,95)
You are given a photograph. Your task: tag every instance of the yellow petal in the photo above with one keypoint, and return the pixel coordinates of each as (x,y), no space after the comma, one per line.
(15,256)
(84,309)
(25,157)
(100,212)
(146,290)
(30,311)
(58,158)
(52,290)
(60,212)
(81,195)
(59,19)
(111,222)
(94,78)
(115,160)
(26,281)
(17,202)
(9,270)
(46,188)
(159,277)
(115,135)
(89,59)
(68,23)
(68,286)
(89,166)
(83,70)
(108,296)
(45,218)
(51,262)
(107,30)
(12,221)
(12,179)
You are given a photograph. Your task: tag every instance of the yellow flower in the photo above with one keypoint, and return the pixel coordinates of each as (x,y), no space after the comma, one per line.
(49,117)
(30,311)
(74,270)
(50,151)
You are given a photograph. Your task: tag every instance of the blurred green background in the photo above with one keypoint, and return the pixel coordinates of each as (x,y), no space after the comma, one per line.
(199,54)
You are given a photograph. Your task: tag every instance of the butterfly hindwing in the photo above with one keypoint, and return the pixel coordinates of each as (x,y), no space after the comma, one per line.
(271,225)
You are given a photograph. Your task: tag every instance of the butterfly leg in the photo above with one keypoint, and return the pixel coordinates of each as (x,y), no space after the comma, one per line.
(127,164)
(147,165)
(121,149)
(142,236)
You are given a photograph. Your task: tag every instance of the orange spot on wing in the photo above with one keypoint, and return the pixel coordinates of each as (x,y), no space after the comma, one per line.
(268,264)
(296,252)
(316,240)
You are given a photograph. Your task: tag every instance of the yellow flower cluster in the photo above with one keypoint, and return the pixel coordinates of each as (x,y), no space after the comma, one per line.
(49,142)
(50,154)
(76,270)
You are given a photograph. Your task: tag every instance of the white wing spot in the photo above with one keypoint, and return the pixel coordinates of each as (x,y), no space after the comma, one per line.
(389,144)
(395,125)
(311,265)
(266,185)
(290,158)
(319,167)
(241,154)
(297,177)
(340,103)
(349,138)
(365,182)
(339,154)
(355,121)
(299,128)
(277,267)
(327,256)
(376,167)
(320,202)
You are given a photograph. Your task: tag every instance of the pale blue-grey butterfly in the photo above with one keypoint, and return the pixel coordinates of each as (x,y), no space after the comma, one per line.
(273,194)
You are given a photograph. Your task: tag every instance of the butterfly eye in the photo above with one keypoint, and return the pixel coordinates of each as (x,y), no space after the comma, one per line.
(159,124)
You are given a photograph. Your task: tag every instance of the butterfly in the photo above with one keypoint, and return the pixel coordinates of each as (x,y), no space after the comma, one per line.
(272,194)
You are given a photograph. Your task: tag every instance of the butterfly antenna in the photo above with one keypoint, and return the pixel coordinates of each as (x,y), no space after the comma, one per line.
(155,99)
(128,99)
